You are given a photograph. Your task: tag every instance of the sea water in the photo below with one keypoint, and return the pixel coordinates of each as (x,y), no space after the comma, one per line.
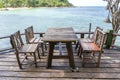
(43,18)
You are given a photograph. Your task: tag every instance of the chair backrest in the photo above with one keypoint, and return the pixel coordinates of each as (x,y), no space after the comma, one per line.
(94,34)
(29,34)
(100,38)
(16,40)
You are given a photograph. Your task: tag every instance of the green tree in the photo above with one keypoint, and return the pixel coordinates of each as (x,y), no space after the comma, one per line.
(1,4)
(34,3)
(113,16)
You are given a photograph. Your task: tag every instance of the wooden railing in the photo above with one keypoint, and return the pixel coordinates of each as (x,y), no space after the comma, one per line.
(81,35)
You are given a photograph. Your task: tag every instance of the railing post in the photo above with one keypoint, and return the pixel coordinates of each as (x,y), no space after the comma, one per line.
(89,29)
(41,35)
(82,35)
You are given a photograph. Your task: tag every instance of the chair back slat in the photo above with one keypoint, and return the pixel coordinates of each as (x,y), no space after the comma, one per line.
(16,40)
(94,34)
(100,38)
(29,34)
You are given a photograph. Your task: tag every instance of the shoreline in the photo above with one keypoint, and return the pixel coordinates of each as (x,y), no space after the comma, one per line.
(21,8)
(9,8)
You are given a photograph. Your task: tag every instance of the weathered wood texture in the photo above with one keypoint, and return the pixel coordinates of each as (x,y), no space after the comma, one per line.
(60,35)
(108,70)
(92,47)
(88,39)
(29,34)
(21,48)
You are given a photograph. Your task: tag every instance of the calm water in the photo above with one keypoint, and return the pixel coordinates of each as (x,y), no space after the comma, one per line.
(42,18)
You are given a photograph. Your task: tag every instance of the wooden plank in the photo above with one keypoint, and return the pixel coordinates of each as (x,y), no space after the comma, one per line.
(5,49)
(60,35)
(61,75)
(60,61)
(86,46)
(38,40)
(94,47)
(28,48)
(64,69)
(32,40)
(18,78)
(60,64)
(13,78)
(108,70)
(57,38)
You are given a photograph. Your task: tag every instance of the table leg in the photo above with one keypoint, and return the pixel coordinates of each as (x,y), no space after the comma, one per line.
(50,54)
(70,54)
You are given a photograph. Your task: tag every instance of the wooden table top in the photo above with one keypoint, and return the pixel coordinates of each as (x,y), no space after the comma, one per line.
(60,35)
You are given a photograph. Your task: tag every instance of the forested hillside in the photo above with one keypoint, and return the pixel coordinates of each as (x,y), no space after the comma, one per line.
(34,3)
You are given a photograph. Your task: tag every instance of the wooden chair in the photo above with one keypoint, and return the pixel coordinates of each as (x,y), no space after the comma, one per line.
(92,39)
(29,34)
(22,49)
(88,39)
(92,47)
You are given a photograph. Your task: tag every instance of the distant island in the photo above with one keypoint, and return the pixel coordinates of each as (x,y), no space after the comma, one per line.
(34,3)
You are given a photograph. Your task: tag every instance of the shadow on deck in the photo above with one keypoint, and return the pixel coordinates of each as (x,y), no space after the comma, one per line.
(109,68)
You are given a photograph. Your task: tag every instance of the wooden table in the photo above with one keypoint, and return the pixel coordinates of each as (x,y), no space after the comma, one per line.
(56,35)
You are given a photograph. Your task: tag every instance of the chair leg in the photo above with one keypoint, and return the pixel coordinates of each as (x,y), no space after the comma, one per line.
(99,58)
(42,46)
(83,59)
(18,60)
(38,53)
(26,56)
(78,51)
(35,61)
(77,45)
(92,54)
(45,46)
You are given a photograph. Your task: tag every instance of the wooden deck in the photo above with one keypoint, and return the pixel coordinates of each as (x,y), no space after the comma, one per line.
(109,68)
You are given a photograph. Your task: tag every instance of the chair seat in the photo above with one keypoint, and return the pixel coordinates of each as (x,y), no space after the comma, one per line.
(89,47)
(31,39)
(36,40)
(29,48)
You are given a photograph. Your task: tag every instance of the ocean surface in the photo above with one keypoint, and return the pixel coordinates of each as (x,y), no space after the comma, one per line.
(42,18)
